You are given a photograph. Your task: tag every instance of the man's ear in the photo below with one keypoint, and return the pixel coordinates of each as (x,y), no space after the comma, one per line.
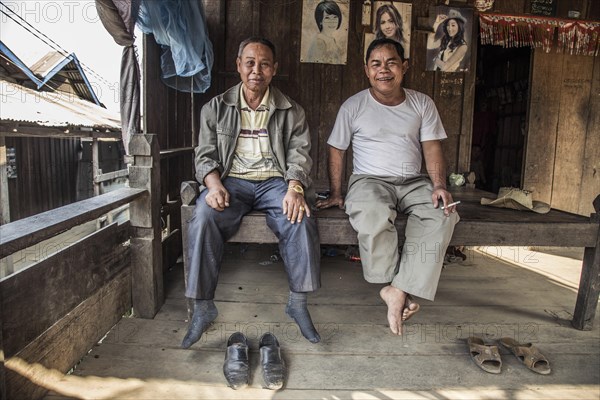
(367,70)
(275,66)
(238,62)
(405,66)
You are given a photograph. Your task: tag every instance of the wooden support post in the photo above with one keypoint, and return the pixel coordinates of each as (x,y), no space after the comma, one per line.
(96,166)
(146,248)
(4,198)
(189,193)
(2,361)
(589,285)
(6,264)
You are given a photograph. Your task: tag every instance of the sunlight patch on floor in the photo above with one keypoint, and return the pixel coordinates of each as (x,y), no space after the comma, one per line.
(562,270)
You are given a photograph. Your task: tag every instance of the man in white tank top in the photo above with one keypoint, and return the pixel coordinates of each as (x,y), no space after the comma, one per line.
(391,130)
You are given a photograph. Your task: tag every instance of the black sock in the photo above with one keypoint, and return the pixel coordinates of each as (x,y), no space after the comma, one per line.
(205,312)
(296,308)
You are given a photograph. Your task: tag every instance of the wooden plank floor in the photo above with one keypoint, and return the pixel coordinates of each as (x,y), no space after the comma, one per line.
(358,357)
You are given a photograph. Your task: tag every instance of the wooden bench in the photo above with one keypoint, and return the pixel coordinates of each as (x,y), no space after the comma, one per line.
(479,226)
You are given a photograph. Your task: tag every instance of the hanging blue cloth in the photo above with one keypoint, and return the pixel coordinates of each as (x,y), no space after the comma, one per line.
(179,26)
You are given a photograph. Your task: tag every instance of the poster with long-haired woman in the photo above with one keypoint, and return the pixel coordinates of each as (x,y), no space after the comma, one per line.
(448,47)
(391,19)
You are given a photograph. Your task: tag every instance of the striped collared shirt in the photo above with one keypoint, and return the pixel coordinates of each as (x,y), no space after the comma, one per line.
(253,159)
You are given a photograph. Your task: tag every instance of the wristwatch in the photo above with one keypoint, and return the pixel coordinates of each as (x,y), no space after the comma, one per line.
(297,189)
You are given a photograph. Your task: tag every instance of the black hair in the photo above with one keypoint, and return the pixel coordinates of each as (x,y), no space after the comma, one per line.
(257,39)
(393,12)
(458,39)
(382,42)
(330,7)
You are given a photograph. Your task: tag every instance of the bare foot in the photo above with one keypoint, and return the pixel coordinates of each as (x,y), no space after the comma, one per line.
(410,308)
(395,300)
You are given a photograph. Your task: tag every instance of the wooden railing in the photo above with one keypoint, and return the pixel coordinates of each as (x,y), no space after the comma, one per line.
(54,311)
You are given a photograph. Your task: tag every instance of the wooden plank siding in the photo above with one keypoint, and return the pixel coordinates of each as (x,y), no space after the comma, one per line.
(59,348)
(55,310)
(52,312)
(31,302)
(46,174)
(543,123)
(562,158)
(591,159)
(321,89)
(572,122)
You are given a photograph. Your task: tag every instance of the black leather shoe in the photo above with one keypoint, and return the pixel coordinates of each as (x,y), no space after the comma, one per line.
(236,368)
(273,367)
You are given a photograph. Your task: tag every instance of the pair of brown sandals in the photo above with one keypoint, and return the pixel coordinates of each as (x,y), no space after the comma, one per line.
(488,358)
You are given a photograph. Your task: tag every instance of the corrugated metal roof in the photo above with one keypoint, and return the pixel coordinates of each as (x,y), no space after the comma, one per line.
(52,72)
(64,73)
(53,109)
(44,65)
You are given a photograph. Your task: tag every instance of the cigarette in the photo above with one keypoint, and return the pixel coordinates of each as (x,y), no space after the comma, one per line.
(451,204)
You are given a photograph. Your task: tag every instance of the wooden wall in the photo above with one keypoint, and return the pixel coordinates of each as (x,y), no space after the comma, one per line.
(54,311)
(321,88)
(46,175)
(562,163)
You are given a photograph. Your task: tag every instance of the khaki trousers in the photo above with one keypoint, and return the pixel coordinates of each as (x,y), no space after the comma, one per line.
(372,203)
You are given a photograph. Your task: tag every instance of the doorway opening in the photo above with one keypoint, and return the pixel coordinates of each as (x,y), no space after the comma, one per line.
(500,116)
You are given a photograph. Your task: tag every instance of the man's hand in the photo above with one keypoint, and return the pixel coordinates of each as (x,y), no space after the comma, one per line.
(446,199)
(331,201)
(294,205)
(217,197)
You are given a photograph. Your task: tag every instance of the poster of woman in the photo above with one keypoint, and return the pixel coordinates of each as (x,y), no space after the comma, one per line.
(391,19)
(324,31)
(448,47)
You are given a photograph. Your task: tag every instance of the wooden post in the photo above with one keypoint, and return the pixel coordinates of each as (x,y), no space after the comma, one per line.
(2,361)
(189,193)
(6,264)
(146,248)
(95,173)
(4,198)
(589,285)
(96,166)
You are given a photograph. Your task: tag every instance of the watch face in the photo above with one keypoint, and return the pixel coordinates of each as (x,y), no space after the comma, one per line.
(297,189)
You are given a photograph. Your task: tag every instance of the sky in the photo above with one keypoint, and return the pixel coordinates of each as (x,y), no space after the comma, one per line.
(74,26)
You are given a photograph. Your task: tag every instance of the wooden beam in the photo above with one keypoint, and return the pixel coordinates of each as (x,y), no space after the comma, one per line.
(96,166)
(468,104)
(17,130)
(32,230)
(473,229)
(334,228)
(146,247)
(164,154)
(6,264)
(111,175)
(589,284)
(2,359)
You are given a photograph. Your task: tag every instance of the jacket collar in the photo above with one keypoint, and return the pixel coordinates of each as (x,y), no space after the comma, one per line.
(278,100)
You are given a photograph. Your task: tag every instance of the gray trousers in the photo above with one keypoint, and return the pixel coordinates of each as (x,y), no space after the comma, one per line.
(372,203)
(209,229)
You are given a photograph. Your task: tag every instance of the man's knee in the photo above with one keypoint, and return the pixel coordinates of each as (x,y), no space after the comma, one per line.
(367,218)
